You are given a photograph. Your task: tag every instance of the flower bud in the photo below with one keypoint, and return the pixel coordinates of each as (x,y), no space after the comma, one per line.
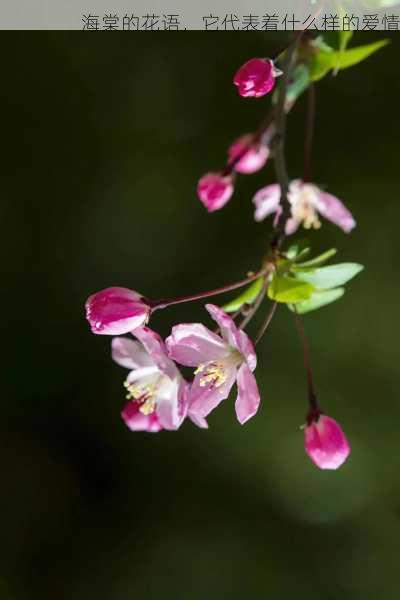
(325,442)
(253,155)
(256,78)
(116,310)
(214,190)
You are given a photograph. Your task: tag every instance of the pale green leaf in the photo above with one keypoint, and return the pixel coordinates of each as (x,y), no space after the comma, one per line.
(287,289)
(246,297)
(330,277)
(317,261)
(318,299)
(356,55)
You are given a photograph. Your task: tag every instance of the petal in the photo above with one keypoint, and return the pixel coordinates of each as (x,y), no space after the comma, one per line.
(169,396)
(192,344)
(157,350)
(129,354)
(335,211)
(204,398)
(266,201)
(115,311)
(248,398)
(236,338)
(291,226)
(197,420)
(326,444)
(136,421)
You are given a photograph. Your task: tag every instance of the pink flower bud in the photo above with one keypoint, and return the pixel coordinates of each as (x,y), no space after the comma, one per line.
(116,310)
(256,78)
(214,190)
(325,443)
(253,155)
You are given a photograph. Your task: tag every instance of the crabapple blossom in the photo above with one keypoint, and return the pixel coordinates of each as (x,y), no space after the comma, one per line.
(157,394)
(215,190)
(256,77)
(307,201)
(325,442)
(220,361)
(116,310)
(253,155)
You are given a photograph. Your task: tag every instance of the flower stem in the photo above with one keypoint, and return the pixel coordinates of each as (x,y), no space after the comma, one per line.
(158,304)
(279,142)
(312,396)
(256,305)
(309,135)
(266,323)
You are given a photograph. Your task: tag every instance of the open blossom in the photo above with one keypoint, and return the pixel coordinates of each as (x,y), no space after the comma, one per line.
(116,310)
(325,442)
(256,78)
(214,190)
(254,155)
(220,360)
(157,394)
(307,202)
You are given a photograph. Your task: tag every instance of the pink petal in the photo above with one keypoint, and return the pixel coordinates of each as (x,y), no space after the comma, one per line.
(197,420)
(255,78)
(129,354)
(191,344)
(248,399)
(325,443)
(157,350)
(335,211)
(267,201)
(291,226)
(236,338)
(203,399)
(253,155)
(116,310)
(172,403)
(136,421)
(215,190)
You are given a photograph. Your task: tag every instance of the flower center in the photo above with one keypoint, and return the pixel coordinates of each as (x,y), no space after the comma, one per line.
(304,211)
(214,374)
(144,395)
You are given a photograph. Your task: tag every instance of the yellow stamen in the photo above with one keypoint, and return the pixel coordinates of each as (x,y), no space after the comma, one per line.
(144,395)
(214,374)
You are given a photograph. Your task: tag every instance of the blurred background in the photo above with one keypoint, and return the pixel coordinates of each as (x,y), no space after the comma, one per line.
(104,139)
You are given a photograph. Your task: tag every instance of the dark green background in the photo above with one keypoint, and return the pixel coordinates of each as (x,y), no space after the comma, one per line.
(104,138)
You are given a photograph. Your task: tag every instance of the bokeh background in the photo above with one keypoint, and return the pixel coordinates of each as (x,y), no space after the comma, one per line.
(103,140)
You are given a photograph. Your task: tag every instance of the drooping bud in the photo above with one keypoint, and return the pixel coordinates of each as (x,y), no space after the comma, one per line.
(253,156)
(116,310)
(215,190)
(256,78)
(325,442)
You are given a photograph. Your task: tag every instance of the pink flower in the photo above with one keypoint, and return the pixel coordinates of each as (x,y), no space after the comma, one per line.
(325,442)
(116,310)
(214,190)
(157,393)
(220,360)
(307,202)
(256,78)
(253,155)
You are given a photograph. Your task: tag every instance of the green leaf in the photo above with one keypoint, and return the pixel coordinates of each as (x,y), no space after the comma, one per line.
(330,277)
(287,289)
(318,299)
(299,83)
(246,297)
(344,38)
(356,55)
(298,249)
(324,61)
(317,261)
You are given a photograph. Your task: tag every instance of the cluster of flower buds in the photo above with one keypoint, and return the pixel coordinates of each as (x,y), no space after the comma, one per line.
(158,395)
